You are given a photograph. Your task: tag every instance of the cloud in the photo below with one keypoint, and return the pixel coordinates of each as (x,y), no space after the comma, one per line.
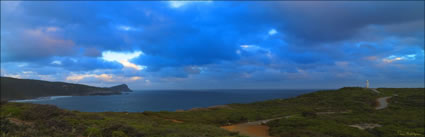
(102,77)
(224,44)
(56,62)
(318,22)
(37,44)
(272,32)
(76,77)
(92,52)
(127,28)
(393,58)
(123,58)
(179,4)
(87,64)
(117,56)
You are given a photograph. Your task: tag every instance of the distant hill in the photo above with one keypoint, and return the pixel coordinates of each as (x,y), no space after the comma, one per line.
(13,88)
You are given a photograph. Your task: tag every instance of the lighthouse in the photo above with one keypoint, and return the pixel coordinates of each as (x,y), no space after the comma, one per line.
(367,83)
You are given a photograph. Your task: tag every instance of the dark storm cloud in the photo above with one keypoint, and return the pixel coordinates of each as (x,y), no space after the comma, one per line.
(317,22)
(218,40)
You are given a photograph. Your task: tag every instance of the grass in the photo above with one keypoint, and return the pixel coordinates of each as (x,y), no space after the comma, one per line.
(404,116)
(343,107)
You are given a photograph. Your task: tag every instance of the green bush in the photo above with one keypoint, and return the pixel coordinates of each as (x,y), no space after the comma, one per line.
(118,134)
(93,132)
(309,114)
(37,112)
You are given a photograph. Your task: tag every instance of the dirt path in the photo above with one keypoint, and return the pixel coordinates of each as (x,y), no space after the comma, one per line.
(365,126)
(375,90)
(251,129)
(172,120)
(19,122)
(382,102)
(258,129)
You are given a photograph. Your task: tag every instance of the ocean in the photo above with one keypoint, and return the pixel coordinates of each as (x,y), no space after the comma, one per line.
(163,100)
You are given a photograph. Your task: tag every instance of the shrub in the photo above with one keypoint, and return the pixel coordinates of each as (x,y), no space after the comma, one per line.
(118,134)
(42,112)
(5,125)
(111,127)
(93,132)
(309,114)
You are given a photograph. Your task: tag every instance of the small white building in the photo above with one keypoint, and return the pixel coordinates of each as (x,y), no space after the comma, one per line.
(367,83)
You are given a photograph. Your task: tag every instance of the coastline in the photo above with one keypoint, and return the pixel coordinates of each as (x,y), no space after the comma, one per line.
(38,99)
(43,98)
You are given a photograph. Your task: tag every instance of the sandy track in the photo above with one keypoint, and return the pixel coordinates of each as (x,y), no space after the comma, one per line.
(251,129)
(382,102)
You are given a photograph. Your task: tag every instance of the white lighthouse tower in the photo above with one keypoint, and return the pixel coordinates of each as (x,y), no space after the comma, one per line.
(367,83)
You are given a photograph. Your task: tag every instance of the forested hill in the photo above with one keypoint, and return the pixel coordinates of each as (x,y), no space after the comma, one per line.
(12,88)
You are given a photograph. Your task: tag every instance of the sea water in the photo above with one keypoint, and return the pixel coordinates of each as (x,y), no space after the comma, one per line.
(163,100)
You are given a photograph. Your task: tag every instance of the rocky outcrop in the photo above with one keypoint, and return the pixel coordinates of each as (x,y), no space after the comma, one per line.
(121,88)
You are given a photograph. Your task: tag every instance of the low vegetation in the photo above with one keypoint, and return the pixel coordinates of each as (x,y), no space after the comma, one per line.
(16,89)
(322,114)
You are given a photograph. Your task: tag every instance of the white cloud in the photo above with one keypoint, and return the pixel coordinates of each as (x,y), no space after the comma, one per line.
(128,64)
(248,46)
(252,48)
(116,56)
(102,77)
(28,75)
(12,75)
(22,65)
(127,28)
(393,58)
(179,4)
(123,58)
(411,56)
(27,72)
(51,29)
(255,48)
(56,62)
(73,60)
(147,82)
(272,32)
(78,77)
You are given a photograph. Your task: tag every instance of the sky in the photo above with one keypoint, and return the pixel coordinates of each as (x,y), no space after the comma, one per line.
(215,44)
